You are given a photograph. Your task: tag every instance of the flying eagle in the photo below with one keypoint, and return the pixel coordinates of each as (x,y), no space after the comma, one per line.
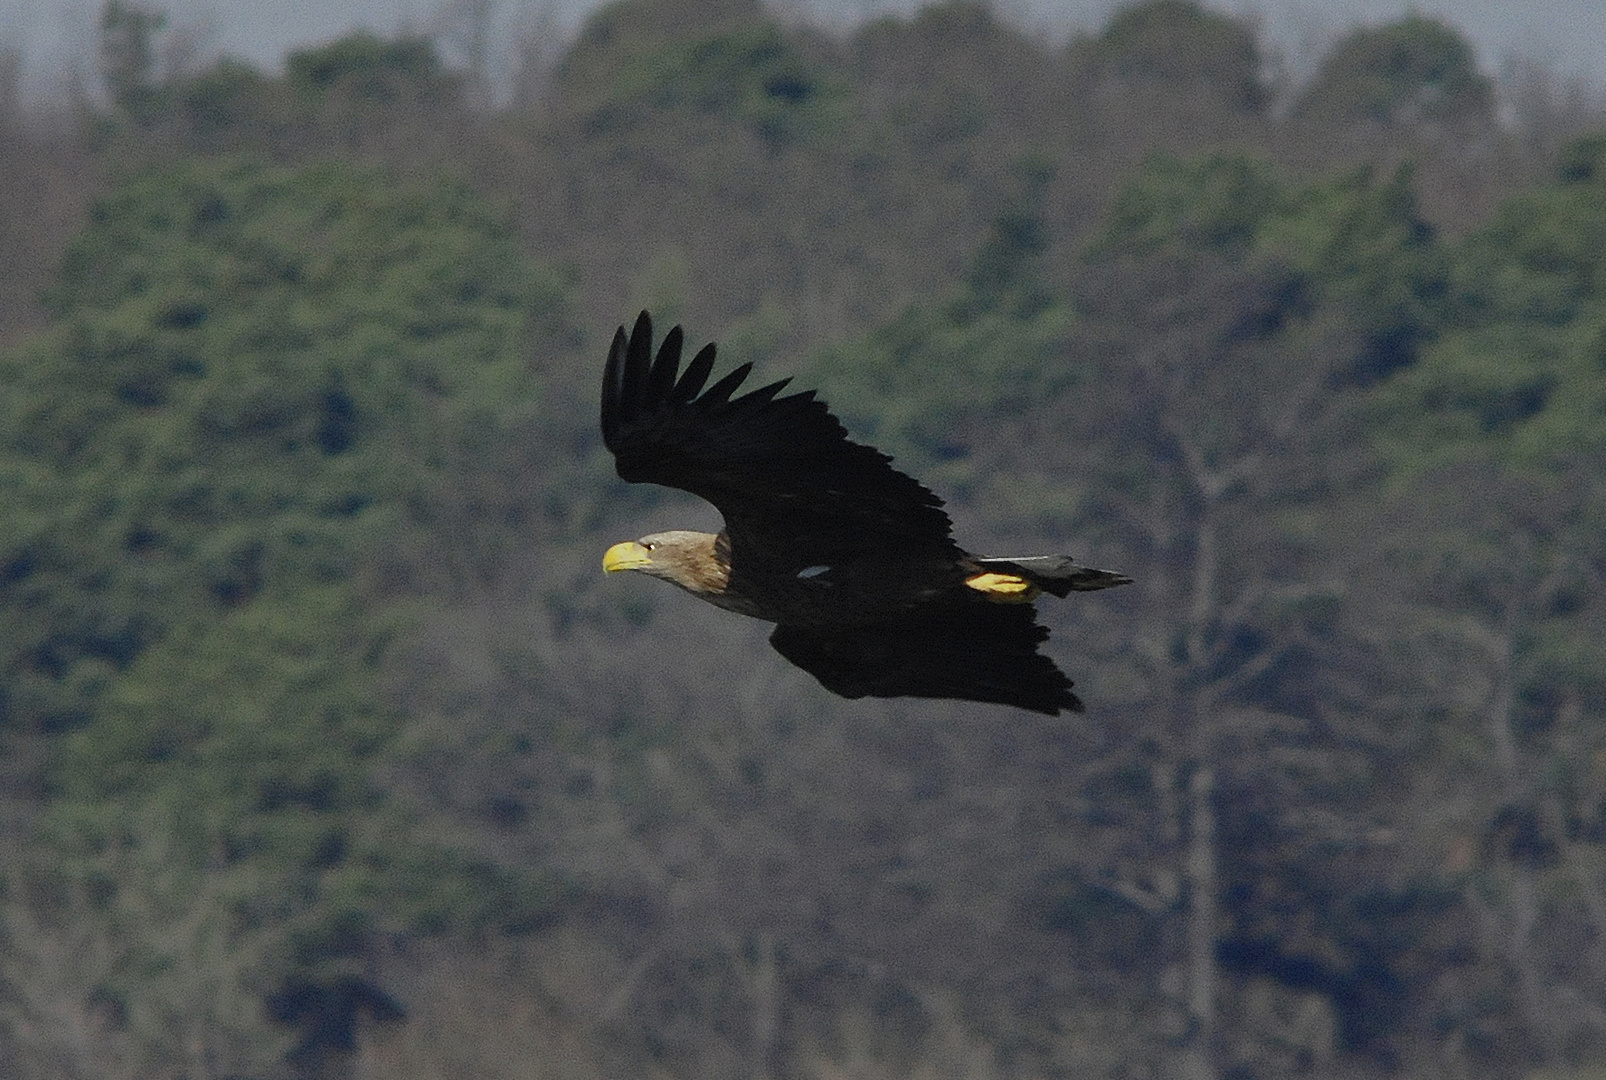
(851,559)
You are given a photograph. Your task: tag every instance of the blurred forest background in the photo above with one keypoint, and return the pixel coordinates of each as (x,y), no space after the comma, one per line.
(325,751)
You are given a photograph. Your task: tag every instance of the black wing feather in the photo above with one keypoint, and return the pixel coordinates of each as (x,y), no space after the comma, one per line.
(726,386)
(634,381)
(780,469)
(661,379)
(696,375)
(971,650)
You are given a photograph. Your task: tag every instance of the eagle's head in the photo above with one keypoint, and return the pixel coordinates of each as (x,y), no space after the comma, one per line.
(681,557)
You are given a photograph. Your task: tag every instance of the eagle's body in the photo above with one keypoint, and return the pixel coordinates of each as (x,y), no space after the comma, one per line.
(850,558)
(857,589)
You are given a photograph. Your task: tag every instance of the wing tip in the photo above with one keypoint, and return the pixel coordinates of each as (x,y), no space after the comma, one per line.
(612,388)
(1068,702)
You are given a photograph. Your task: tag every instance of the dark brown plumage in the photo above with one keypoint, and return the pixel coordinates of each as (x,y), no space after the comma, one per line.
(851,559)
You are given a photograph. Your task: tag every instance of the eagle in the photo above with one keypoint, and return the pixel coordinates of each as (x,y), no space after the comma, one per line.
(852,560)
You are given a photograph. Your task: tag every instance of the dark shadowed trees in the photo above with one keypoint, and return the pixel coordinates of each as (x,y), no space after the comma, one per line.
(1221,348)
(1181,47)
(1496,440)
(1417,70)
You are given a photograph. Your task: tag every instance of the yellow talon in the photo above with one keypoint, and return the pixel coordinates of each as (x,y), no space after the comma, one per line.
(1004,588)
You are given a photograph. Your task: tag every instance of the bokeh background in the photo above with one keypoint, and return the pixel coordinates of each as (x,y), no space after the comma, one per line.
(325,750)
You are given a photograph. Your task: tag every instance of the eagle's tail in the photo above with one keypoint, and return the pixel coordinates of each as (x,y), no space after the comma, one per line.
(1060,575)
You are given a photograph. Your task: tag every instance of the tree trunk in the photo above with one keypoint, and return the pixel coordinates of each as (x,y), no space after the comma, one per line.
(1200,868)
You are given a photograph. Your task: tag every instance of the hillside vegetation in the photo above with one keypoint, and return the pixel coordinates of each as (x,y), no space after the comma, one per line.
(326,752)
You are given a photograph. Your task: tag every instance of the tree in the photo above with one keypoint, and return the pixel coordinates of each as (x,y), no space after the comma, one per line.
(1495,445)
(1178,44)
(740,65)
(226,463)
(930,383)
(1417,70)
(128,52)
(1219,332)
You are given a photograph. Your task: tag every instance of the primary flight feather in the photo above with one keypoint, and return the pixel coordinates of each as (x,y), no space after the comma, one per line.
(851,559)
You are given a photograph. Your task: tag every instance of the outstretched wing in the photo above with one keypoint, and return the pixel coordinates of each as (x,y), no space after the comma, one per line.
(779,468)
(970,650)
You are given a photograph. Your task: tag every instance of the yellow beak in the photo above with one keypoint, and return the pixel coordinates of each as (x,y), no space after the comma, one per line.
(626,556)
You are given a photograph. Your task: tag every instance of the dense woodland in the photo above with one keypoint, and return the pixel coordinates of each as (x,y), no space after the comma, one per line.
(325,750)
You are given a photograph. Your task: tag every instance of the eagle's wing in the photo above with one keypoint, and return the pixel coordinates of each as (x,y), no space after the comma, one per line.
(779,468)
(967,649)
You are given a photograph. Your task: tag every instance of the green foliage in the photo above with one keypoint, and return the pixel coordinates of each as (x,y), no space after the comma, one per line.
(1414,70)
(737,64)
(923,386)
(1007,271)
(948,75)
(228,462)
(1511,403)
(1222,302)
(252,370)
(1177,43)
(618,34)
(223,101)
(1494,513)
(1523,369)
(218,104)
(372,69)
(1228,314)
(349,95)
(1214,204)
(1348,249)
(128,52)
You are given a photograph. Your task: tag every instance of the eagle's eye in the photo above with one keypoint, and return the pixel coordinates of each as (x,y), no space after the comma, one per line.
(649,545)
